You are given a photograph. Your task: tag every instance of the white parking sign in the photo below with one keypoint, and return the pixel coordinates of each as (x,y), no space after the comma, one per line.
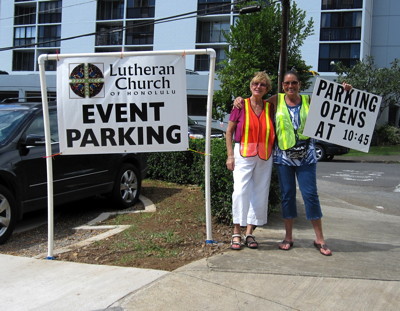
(345,118)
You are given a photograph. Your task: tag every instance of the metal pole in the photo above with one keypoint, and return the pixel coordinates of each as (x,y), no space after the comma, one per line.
(49,159)
(284,42)
(211,77)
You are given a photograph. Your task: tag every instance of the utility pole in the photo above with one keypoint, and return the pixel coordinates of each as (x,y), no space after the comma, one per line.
(284,42)
(283,58)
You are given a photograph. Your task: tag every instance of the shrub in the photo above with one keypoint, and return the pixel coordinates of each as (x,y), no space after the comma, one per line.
(388,135)
(187,167)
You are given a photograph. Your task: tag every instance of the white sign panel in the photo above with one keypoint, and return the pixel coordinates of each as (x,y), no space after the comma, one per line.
(345,118)
(122,104)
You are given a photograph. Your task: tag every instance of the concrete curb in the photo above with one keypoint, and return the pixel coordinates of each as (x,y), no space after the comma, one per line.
(111,229)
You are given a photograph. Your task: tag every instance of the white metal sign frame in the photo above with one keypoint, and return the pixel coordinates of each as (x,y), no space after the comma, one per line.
(50,201)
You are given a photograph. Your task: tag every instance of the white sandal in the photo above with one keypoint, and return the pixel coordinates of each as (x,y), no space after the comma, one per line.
(236,245)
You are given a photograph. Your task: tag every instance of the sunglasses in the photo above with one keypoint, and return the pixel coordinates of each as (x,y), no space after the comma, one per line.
(286,83)
(259,84)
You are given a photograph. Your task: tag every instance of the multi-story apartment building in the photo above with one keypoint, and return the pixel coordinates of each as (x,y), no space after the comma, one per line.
(344,30)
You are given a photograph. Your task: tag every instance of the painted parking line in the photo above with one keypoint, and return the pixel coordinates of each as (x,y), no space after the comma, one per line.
(354,175)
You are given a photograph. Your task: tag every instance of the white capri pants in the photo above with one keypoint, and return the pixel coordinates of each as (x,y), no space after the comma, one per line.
(252,178)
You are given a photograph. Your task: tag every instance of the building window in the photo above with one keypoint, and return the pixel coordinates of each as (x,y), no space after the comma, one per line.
(211,32)
(49,65)
(341,4)
(49,35)
(50,12)
(330,54)
(206,7)
(341,26)
(109,34)
(24,36)
(202,62)
(25,14)
(23,60)
(139,32)
(110,9)
(140,8)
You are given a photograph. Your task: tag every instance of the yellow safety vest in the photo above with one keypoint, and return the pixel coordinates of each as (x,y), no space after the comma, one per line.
(283,124)
(258,133)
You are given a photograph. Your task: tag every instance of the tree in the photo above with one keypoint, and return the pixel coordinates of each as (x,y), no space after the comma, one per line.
(254,45)
(365,75)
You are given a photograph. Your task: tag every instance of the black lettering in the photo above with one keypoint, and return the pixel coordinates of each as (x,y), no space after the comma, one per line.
(336,109)
(89,138)
(120,113)
(352,117)
(156,106)
(125,136)
(140,136)
(342,117)
(86,113)
(361,123)
(331,126)
(104,115)
(325,109)
(329,92)
(320,130)
(118,84)
(372,103)
(134,110)
(347,98)
(322,86)
(339,93)
(177,137)
(158,136)
(72,135)
(108,134)
(364,101)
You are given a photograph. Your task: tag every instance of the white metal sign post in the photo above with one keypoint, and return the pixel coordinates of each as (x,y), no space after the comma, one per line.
(345,118)
(114,102)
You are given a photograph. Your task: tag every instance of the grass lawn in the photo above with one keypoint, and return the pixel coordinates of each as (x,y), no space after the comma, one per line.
(377,150)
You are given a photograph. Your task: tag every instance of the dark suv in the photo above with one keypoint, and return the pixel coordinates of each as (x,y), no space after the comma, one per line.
(23,179)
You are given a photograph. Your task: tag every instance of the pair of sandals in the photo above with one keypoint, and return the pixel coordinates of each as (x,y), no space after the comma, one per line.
(249,241)
(323,248)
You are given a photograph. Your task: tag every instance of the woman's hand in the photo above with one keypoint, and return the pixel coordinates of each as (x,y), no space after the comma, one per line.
(347,87)
(238,102)
(230,163)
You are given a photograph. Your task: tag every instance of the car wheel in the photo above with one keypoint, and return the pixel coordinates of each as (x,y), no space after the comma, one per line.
(127,186)
(320,152)
(8,214)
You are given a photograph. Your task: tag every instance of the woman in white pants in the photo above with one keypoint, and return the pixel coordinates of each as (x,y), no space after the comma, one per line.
(249,142)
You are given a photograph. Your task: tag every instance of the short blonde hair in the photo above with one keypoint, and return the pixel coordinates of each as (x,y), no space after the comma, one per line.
(261,76)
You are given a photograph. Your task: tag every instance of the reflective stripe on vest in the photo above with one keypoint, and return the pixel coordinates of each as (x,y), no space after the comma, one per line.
(258,133)
(284,127)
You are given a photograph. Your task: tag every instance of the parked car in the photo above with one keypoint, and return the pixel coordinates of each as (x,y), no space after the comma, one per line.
(197,130)
(23,179)
(326,151)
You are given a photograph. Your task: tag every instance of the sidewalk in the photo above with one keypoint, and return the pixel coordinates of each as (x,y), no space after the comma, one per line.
(362,274)
(370,158)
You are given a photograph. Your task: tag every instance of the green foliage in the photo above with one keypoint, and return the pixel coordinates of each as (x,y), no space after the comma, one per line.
(254,45)
(388,135)
(187,167)
(365,75)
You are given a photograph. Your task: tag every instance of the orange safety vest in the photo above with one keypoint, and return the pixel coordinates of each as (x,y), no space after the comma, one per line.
(258,132)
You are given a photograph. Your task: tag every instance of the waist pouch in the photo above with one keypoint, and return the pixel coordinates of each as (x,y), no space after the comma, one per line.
(299,150)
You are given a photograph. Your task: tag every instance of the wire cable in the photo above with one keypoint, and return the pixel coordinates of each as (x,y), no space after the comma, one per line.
(177,17)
